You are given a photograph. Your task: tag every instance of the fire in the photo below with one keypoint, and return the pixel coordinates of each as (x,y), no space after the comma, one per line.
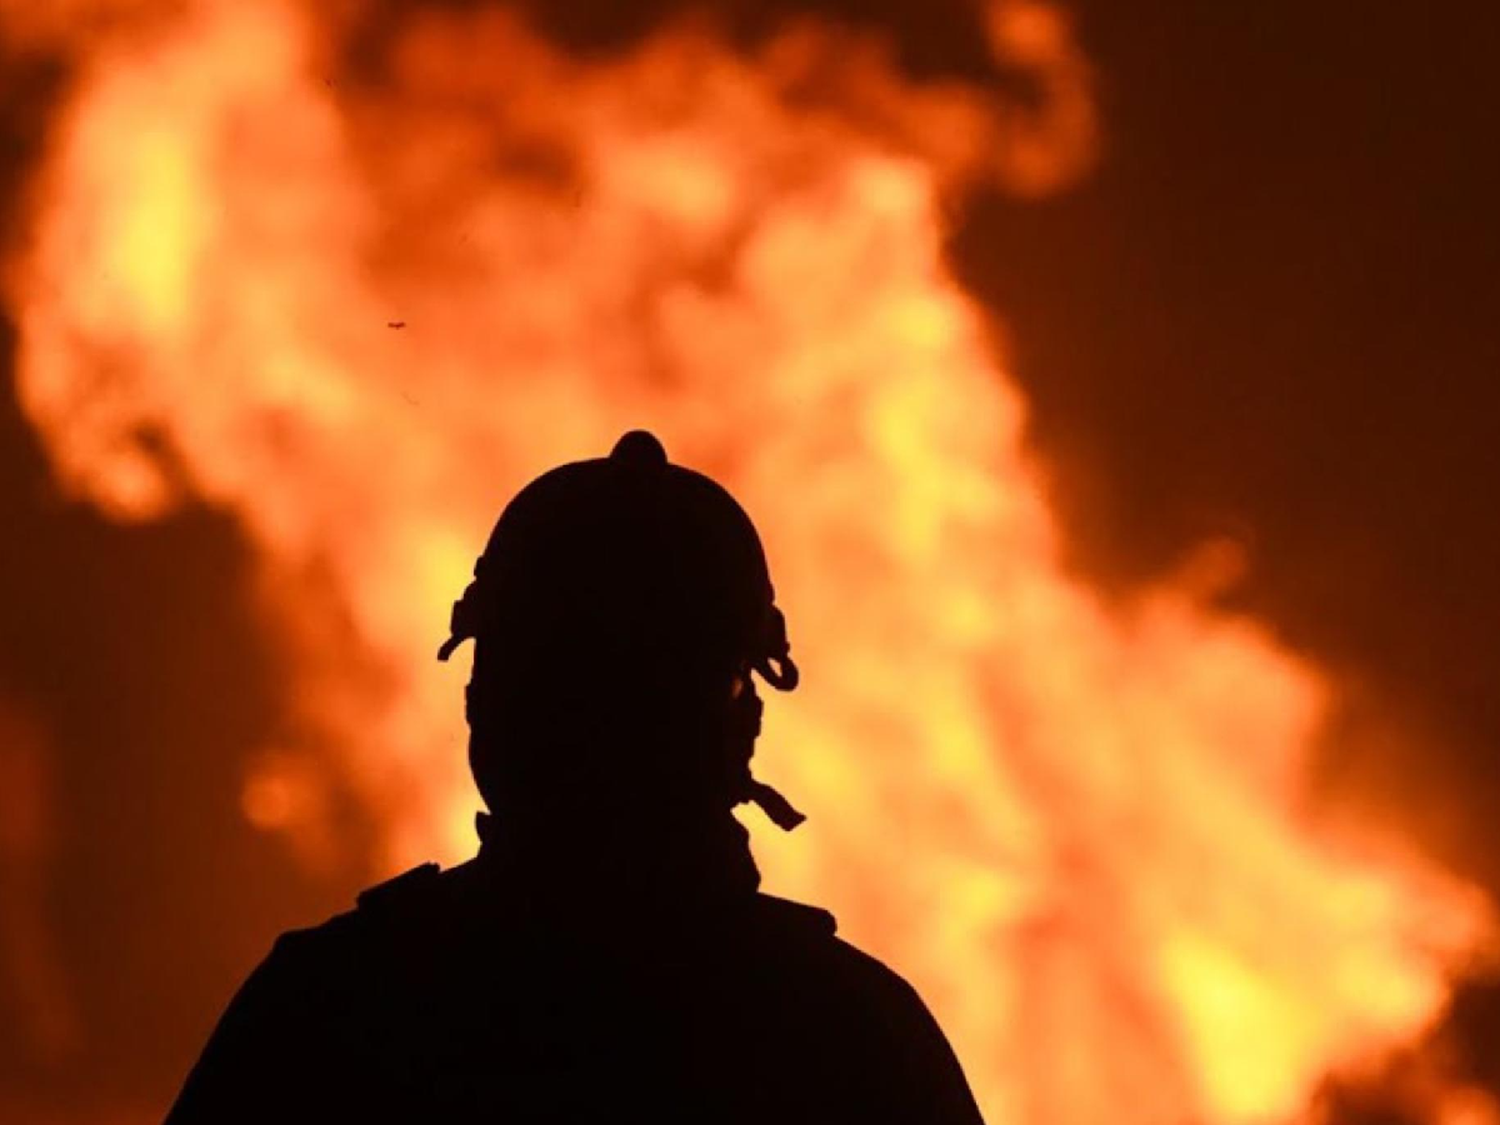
(360,306)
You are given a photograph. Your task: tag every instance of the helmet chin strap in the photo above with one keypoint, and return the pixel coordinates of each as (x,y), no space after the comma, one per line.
(774,662)
(745,729)
(776,807)
(464,623)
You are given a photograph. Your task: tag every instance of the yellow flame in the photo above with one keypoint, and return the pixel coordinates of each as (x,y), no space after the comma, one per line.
(361,313)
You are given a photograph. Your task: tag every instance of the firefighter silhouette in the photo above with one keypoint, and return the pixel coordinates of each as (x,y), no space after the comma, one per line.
(607,956)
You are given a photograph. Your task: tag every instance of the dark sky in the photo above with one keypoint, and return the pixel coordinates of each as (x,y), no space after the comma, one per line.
(1272,312)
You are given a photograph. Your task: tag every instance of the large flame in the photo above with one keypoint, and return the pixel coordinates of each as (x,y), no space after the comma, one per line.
(360,305)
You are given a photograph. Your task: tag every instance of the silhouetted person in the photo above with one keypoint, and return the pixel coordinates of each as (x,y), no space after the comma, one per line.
(607,956)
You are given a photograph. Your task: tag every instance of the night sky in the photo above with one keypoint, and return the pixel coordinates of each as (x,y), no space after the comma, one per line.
(1270,313)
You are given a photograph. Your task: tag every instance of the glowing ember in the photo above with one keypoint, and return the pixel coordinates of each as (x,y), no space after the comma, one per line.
(361,313)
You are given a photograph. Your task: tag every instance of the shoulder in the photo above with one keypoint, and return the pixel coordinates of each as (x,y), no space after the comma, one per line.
(794,918)
(813,933)
(873,1011)
(298,1027)
(395,945)
(401,906)
(410,888)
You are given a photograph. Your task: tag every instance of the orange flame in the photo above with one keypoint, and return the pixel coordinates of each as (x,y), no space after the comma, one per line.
(361,313)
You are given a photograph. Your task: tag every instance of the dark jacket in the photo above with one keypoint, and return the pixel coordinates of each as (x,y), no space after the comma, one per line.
(456,997)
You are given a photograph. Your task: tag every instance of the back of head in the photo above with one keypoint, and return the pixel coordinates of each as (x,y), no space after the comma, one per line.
(618,611)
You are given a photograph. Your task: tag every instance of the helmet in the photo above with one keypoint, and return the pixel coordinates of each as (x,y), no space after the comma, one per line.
(628,565)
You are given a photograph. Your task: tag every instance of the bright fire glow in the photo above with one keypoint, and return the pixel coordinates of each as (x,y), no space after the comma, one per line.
(360,308)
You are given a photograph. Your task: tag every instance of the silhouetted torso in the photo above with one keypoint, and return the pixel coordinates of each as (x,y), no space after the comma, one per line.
(470,995)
